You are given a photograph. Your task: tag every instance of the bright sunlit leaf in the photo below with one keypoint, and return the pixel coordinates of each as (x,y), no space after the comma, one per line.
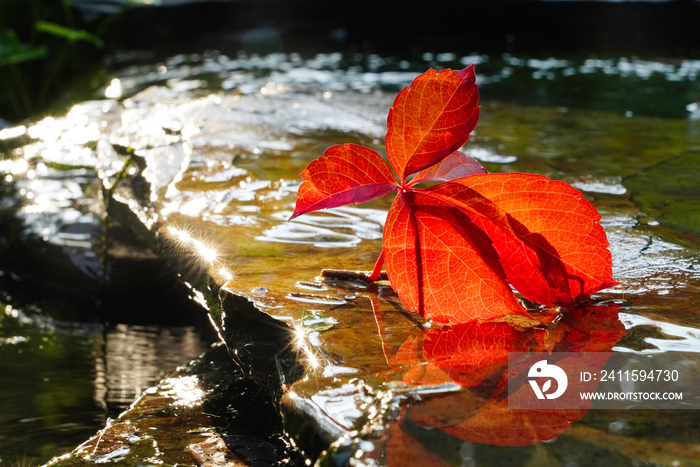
(548,239)
(344,175)
(431,119)
(453,250)
(441,264)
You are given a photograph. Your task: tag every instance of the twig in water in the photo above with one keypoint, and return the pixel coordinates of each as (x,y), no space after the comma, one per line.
(348,275)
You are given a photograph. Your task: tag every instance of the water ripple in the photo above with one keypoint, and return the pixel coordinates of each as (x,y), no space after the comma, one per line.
(296,232)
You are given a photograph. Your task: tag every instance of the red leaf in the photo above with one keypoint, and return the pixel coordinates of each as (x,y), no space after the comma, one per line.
(456,165)
(592,329)
(418,372)
(431,119)
(441,265)
(345,174)
(548,239)
(449,410)
(451,249)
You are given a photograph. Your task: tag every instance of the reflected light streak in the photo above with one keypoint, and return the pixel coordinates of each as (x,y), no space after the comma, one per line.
(168,208)
(19,167)
(300,344)
(225,274)
(181,235)
(77,116)
(204,251)
(81,134)
(41,203)
(299,334)
(199,298)
(313,361)
(48,129)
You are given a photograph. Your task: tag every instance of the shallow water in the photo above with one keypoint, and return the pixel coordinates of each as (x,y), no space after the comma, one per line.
(223,141)
(61,380)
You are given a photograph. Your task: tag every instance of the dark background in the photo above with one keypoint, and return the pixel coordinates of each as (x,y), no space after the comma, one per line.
(69,68)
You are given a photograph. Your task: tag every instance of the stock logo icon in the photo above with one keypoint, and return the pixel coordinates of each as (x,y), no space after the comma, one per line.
(542,369)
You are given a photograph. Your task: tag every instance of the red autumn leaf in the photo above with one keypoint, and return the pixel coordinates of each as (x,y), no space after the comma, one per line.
(452,250)
(438,261)
(591,329)
(549,241)
(454,166)
(431,119)
(345,174)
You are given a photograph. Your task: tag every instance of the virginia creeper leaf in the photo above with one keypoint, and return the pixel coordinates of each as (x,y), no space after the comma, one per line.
(431,119)
(345,174)
(549,241)
(418,373)
(454,166)
(452,249)
(441,265)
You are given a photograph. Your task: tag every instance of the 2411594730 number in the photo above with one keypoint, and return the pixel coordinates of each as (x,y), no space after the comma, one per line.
(639,375)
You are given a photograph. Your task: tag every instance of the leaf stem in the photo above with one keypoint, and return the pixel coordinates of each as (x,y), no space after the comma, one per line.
(376,272)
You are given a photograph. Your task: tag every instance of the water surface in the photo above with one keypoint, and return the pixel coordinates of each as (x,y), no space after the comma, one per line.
(222,141)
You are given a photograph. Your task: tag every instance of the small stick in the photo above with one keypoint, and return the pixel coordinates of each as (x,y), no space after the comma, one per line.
(348,275)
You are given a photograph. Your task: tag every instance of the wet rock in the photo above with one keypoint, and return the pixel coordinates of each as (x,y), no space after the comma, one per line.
(180,422)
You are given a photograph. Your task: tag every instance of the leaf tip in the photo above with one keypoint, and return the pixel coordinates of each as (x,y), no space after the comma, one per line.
(297,212)
(466,74)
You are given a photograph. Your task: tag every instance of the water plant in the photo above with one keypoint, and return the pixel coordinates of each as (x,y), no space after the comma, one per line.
(41,48)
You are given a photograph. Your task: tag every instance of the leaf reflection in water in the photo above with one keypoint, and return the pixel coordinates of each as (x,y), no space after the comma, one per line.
(475,356)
